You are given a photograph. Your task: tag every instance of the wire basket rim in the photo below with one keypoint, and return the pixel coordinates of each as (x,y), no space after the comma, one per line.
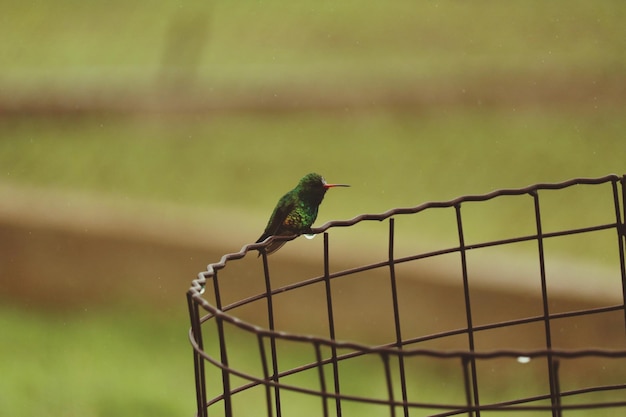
(197,287)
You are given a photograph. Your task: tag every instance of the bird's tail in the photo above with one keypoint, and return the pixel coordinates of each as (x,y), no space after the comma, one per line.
(272,247)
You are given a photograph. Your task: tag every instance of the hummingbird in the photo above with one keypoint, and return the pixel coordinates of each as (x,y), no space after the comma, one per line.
(296,211)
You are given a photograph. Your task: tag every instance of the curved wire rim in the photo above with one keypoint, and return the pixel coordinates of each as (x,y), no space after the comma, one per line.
(512,405)
(197,286)
(407,210)
(453,409)
(195,294)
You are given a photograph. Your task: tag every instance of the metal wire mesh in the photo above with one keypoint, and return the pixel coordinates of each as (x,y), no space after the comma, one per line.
(298,372)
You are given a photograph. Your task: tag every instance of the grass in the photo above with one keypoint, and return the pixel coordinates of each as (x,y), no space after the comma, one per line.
(391,159)
(95,363)
(69,44)
(121,361)
(248,160)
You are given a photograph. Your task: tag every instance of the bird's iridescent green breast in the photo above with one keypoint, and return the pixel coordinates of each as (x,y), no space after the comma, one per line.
(301,217)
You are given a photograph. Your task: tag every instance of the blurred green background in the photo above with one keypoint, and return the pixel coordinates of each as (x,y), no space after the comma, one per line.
(220,107)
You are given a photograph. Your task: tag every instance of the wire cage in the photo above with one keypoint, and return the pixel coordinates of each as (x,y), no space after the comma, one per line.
(273,339)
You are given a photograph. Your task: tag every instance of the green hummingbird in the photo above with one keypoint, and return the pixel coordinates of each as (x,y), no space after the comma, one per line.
(296,211)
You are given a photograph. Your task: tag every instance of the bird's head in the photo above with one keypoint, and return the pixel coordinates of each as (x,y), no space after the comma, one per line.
(312,188)
(315,183)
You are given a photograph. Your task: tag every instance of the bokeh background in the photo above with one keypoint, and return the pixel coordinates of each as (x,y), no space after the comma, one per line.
(140,141)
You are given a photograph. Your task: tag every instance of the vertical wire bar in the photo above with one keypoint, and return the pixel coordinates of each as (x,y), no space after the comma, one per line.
(621,236)
(266,375)
(465,362)
(557,386)
(320,371)
(270,319)
(396,315)
(228,409)
(544,297)
(331,325)
(198,363)
(468,308)
(392,407)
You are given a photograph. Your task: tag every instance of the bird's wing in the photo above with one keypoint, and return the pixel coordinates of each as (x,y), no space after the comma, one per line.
(283,208)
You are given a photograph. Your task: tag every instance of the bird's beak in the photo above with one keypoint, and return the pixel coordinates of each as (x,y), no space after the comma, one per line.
(327,186)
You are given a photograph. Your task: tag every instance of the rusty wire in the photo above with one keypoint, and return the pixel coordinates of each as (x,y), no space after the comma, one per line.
(210,319)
